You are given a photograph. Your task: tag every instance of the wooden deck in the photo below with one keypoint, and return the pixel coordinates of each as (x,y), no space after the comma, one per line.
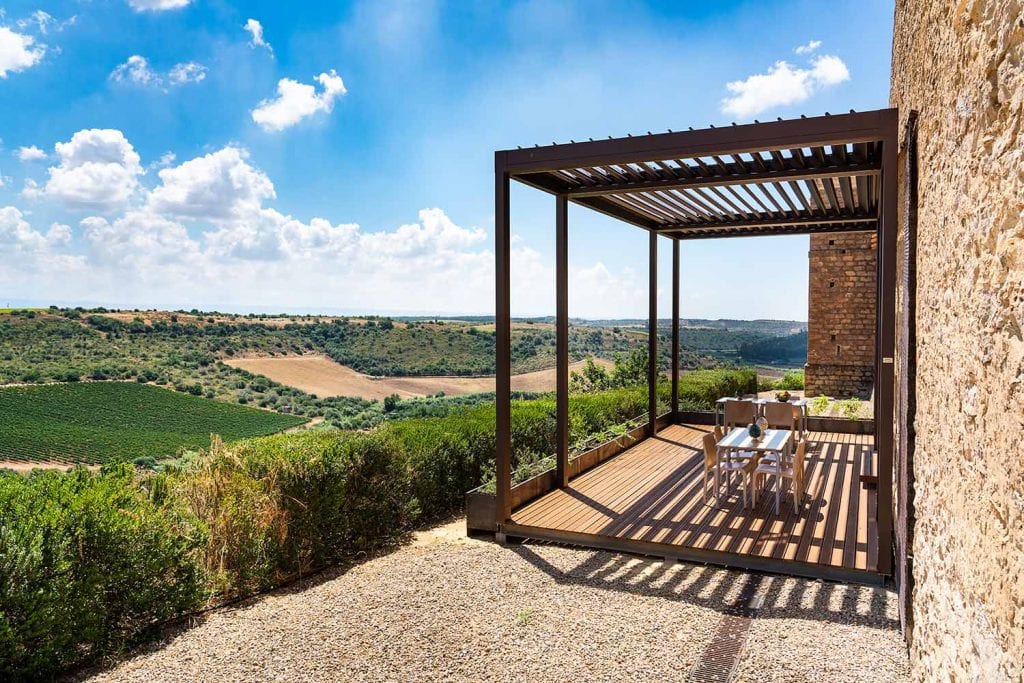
(649,500)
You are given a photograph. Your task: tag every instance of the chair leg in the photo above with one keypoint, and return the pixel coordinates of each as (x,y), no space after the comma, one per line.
(704,489)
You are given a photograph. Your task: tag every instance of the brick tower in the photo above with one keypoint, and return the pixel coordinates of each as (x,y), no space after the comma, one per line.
(841,315)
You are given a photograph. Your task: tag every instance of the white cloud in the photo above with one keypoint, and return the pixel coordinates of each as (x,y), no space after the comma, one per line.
(17,235)
(807,48)
(157,5)
(31,153)
(296,101)
(255,29)
(18,51)
(98,171)
(45,23)
(218,186)
(186,72)
(783,84)
(207,236)
(136,69)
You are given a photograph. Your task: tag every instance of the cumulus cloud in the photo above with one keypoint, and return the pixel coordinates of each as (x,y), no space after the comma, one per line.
(18,51)
(98,170)
(218,186)
(206,234)
(31,153)
(157,5)
(296,101)
(18,236)
(137,70)
(255,30)
(808,47)
(783,84)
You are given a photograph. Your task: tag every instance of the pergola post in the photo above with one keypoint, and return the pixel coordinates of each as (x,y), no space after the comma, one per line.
(886,338)
(675,331)
(562,338)
(502,342)
(652,336)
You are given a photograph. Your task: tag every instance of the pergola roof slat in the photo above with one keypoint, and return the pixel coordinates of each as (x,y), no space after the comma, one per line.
(767,178)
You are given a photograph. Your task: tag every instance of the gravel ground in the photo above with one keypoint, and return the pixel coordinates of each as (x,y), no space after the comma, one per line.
(450,608)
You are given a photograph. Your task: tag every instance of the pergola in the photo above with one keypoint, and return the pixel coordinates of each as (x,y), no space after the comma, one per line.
(826,174)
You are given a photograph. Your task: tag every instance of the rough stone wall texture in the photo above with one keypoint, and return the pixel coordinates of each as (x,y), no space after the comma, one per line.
(841,315)
(960,65)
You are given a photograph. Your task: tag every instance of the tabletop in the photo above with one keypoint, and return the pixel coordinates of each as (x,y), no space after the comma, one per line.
(772,440)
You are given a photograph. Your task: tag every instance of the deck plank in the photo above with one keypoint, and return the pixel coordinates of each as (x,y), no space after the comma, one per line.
(653,493)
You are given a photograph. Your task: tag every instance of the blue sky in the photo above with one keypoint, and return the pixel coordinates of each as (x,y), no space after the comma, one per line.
(166,153)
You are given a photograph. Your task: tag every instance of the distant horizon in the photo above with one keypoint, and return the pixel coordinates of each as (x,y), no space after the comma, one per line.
(356,313)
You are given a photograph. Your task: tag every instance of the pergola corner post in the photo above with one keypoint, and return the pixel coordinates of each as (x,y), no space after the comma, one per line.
(502,342)
(652,337)
(562,338)
(886,340)
(675,331)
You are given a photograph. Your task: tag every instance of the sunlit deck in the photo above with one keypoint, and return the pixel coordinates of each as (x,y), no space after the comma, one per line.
(649,500)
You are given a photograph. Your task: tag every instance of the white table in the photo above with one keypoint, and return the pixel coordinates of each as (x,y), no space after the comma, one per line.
(779,441)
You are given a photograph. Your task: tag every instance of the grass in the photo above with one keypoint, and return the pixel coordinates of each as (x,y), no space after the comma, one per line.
(96,422)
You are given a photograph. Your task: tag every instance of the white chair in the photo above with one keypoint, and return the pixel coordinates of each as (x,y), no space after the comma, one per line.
(744,466)
(794,472)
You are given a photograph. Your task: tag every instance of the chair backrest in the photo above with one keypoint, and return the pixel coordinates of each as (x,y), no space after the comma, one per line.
(779,415)
(710,450)
(798,459)
(739,413)
(719,434)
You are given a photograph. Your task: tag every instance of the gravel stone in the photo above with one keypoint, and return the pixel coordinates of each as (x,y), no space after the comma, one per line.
(450,608)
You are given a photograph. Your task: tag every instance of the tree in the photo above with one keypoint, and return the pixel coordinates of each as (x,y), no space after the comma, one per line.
(391,402)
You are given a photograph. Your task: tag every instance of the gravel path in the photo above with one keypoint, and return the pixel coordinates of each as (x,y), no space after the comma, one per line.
(450,608)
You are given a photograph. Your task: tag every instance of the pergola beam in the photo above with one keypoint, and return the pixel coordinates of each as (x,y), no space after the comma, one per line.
(749,178)
(792,134)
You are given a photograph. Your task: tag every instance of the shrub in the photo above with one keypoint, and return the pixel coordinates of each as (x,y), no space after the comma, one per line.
(698,390)
(792,379)
(87,563)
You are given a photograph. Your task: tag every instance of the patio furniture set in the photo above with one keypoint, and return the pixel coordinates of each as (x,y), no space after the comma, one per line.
(779,450)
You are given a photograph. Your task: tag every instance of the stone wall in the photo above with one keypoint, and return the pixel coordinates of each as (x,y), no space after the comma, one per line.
(841,315)
(960,65)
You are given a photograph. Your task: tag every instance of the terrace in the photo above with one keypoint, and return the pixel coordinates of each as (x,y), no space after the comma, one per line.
(643,494)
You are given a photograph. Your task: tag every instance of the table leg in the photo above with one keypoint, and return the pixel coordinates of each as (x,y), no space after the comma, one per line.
(778,480)
(718,473)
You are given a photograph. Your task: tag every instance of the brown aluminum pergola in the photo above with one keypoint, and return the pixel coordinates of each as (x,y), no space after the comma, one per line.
(810,175)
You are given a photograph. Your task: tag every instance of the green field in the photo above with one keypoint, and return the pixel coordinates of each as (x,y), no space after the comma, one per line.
(94,422)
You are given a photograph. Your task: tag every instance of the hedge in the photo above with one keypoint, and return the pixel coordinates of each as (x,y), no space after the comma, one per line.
(90,562)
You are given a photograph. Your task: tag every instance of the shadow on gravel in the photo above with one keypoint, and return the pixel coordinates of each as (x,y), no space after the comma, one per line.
(722,589)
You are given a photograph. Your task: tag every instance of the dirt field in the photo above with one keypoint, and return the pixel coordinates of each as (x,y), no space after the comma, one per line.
(323,377)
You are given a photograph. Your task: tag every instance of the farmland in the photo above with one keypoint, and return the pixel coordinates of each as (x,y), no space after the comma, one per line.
(323,377)
(94,422)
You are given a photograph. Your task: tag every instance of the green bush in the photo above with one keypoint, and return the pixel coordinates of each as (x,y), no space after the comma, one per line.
(792,379)
(698,390)
(87,563)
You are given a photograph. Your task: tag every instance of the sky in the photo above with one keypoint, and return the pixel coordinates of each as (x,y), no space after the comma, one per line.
(338,156)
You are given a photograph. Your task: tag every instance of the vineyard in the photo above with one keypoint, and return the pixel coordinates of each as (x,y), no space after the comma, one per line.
(95,422)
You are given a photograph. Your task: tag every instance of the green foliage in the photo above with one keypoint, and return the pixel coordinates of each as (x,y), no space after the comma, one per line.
(818,405)
(87,563)
(849,408)
(699,389)
(792,379)
(100,421)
